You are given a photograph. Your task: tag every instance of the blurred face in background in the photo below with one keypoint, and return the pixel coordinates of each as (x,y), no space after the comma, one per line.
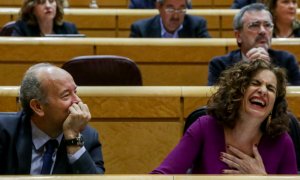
(45,10)
(256,32)
(285,10)
(172,13)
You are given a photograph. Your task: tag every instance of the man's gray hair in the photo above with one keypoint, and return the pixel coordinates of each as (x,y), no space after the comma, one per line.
(188,2)
(31,87)
(238,18)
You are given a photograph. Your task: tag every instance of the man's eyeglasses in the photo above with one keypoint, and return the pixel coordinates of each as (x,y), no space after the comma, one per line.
(255,26)
(172,11)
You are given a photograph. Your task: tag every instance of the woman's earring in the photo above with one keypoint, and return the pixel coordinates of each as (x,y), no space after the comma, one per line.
(269,120)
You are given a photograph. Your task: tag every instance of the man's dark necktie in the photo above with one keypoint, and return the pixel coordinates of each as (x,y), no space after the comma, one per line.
(47,157)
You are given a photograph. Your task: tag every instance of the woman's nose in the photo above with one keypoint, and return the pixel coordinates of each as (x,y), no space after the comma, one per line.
(47,3)
(263,90)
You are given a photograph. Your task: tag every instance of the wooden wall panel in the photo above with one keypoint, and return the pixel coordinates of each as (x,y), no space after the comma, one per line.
(4,18)
(43,52)
(188,54)
(173,74)
(92,21)
(125,21)
(133,130)
(134,107)
(136,147)
(11,3)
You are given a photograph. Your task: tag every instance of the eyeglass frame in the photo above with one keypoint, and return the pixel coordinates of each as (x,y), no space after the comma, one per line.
(256,25)
(169,10)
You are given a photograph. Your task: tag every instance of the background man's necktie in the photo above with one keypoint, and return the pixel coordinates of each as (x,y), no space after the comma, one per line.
(47,157)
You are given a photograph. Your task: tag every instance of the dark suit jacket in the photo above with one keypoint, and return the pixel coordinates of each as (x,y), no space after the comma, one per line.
(23,29)
(144,4)
(296,32)
(237,4)
(16,149)
(193,26)
(279,58)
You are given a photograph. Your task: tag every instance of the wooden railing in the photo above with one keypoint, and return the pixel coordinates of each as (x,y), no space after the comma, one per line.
(139,126)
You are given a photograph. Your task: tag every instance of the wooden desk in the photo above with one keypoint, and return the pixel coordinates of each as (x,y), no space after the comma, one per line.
(139,126)
(163,62)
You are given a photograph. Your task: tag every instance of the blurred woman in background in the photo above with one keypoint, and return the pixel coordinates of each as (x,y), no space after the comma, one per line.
(41,17)
(285,18)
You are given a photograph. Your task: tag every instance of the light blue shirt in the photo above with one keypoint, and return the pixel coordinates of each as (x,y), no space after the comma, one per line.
(166,34)
(39,138)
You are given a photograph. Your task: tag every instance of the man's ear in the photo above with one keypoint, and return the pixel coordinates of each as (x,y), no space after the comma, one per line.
(237,35)
(37,107)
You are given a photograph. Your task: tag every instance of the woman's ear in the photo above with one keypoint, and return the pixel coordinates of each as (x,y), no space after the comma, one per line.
(36,107)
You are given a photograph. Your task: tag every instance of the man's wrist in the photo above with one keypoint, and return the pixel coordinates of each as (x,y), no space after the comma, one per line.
(77,141)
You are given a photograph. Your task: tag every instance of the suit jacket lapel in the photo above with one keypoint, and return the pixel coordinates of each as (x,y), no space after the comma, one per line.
(186,29)
(237,56)
(24,146)
(154,31)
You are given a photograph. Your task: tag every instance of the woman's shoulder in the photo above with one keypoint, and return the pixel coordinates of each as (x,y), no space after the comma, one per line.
(67,24)
(205,126)
(206,122)
(296,28)
(21,23)
(66,28)
(282,140)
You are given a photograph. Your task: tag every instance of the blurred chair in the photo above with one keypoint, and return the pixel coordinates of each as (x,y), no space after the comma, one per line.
(7,29)
(104,70)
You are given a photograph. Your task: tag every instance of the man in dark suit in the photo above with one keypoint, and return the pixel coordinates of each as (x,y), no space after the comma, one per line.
(146,4)
(52,114)
(172,22)
(238,4)
(253,29)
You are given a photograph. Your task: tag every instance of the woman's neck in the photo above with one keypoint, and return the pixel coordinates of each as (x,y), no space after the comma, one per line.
(46,27)
(243,136)
(284,30)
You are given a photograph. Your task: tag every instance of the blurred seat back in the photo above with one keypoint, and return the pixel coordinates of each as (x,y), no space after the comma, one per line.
(7,29)
(104,70)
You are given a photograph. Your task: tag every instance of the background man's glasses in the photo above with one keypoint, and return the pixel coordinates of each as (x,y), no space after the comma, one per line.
(172,11)
(256,26)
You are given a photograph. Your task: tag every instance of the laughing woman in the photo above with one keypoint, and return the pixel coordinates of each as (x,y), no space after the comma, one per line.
(245,131)
(41,17)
